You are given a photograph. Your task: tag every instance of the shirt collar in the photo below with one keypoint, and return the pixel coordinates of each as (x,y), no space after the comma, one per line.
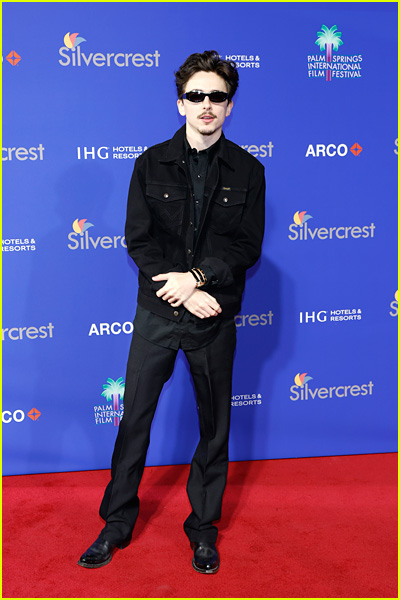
(210,152)
(176,148)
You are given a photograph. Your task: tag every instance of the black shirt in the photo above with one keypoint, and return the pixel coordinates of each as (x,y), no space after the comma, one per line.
(199,162)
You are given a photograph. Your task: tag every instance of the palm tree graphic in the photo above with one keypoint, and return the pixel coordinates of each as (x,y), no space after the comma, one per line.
(114,390)
(331,39)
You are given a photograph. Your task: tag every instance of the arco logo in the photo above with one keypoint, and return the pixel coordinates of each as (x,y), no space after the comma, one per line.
(331,150)
(18,415)
(111,328)
(356,149)
(13,58)
(34,414)
(71,40)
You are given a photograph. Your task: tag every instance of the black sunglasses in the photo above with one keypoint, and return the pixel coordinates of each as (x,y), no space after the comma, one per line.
(199,96)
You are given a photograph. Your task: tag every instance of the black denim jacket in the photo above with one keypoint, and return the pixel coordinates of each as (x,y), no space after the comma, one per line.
(159,225)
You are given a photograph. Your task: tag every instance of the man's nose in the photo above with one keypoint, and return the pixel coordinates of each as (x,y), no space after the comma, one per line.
(206,102)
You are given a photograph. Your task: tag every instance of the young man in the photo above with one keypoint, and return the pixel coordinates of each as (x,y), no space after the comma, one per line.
(195,223)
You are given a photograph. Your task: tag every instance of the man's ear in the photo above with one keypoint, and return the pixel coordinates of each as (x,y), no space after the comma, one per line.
(229,108)
(181,107)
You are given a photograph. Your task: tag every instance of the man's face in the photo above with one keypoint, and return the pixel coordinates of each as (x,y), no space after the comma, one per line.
(205,118)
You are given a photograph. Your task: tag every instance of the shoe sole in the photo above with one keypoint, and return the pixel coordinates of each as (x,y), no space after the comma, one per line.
(205,571)
(94,565)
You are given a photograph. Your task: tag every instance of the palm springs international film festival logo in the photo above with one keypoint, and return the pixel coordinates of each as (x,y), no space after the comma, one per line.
(80,239)
(301,230)
(113,391)
(331,65)
(301,390)
(72,55)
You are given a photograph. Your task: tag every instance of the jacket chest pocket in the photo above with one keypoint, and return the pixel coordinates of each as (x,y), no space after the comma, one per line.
(168,204)
(226,209)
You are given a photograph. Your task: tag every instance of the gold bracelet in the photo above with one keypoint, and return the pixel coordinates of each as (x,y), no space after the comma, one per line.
(196,276)
(201,277)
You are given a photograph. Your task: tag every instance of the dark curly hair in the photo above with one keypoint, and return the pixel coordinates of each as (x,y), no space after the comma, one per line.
(209,60)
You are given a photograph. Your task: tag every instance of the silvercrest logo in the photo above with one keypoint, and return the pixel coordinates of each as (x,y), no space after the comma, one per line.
(265,150)
(299,230)
(72,55)
(80,239)
(302,391)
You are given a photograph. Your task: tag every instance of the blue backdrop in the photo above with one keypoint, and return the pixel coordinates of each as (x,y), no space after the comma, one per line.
(88,86)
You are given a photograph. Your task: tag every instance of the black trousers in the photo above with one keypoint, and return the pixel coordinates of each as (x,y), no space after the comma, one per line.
(149,368)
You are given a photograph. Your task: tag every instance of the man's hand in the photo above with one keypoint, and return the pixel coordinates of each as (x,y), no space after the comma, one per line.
(202,305)
(178,287)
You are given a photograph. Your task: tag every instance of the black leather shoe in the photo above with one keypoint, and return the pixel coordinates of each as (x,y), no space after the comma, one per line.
(205,557)
(99,554)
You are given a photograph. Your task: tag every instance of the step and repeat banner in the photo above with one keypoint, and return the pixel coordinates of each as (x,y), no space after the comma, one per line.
(87,88)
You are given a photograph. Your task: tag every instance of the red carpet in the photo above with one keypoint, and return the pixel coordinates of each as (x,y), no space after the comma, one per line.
(294,528)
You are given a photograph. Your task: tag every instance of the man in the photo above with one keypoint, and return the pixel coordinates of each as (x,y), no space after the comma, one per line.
(195,223)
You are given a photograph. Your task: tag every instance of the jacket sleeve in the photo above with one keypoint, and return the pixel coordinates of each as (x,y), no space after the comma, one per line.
(245,249)
(142,246)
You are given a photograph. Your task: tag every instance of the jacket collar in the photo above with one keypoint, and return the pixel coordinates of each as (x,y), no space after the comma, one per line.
(176,149)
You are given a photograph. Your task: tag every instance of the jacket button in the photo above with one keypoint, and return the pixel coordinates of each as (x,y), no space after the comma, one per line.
(223,199)
(176,313)
(166,195)
(189,251)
